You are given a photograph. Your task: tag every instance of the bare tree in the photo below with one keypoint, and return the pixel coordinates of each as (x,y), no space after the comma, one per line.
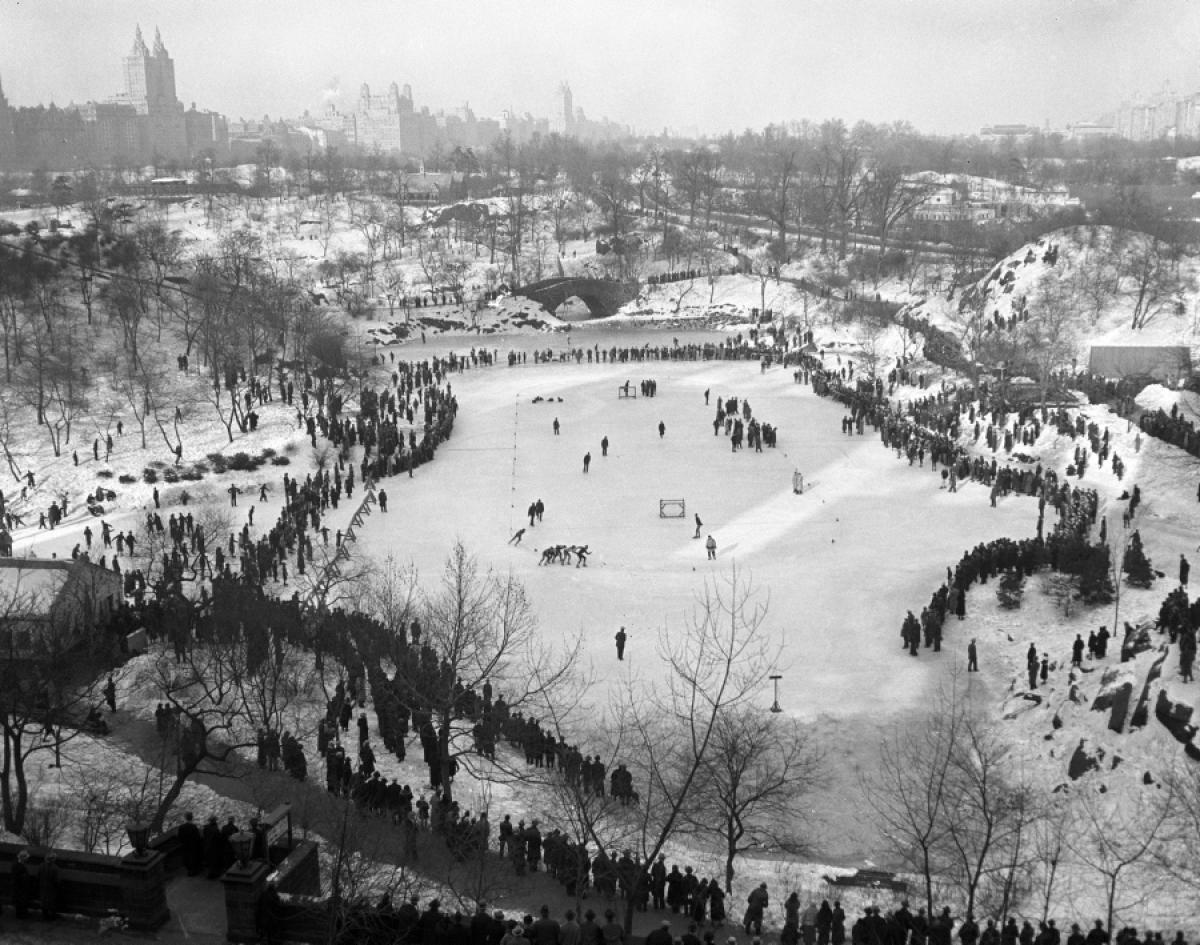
(222,691)
(889,196)
(393,595)
(482,627)
(712,667)
(988,815)
(1149,264)
(910,788)
(779,164)
(870,335)
(755,776)
(1049,335)
(1113,840)
(46,685)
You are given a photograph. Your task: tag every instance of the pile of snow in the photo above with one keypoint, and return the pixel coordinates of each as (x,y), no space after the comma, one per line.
(1157,397)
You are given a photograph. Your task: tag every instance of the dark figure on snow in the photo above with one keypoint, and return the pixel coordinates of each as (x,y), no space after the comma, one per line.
(711,546)
(48,887)
(662,429)
(604,446)
(382,501)
(192,844)
(698,525)
(1184,569)
(587,461)
(620,638)
(556,426)
(516,539)
(756,906)
(972,657)
(1077,651)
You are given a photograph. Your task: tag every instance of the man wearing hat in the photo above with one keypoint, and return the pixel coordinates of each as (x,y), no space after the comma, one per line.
(661,935)
(545,930)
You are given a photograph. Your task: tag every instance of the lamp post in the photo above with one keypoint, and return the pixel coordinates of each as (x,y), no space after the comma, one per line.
(775,706)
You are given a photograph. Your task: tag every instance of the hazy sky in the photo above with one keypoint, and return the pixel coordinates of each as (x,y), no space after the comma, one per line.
(944,65)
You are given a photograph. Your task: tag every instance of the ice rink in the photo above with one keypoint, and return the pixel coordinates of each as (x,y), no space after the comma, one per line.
(870,537)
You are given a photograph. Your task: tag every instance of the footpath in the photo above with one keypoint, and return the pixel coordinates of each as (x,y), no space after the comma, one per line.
(197,905)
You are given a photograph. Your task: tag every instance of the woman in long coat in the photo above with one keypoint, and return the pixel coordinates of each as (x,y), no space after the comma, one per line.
(716,903)
(20,885)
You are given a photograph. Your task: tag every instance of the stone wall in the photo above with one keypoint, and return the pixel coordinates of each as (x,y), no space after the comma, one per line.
(93,884)
(300,873)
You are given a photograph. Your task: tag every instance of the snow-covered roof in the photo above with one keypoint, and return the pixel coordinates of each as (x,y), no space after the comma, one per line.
(1161,361)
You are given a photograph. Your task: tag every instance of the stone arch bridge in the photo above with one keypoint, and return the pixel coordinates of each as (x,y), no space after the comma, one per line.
(602,296)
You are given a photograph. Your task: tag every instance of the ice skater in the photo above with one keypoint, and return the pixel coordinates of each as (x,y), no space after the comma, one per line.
(698,526)
(516,539)
(711,546)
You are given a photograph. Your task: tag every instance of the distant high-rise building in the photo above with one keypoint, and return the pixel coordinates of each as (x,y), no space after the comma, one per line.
(142,123)
(8,144)
(568,108)
(150,89)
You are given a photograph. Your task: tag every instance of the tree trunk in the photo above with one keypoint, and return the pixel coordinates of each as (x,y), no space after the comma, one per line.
(14,790)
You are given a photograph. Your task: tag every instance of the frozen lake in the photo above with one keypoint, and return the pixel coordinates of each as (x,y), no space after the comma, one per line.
(869,539)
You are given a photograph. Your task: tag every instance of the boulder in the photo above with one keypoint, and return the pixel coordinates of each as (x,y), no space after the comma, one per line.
(1082,761)
(1112,679)
(1137,640)
(1156,667)
(1141,714)
(1120,706)
(1176,717)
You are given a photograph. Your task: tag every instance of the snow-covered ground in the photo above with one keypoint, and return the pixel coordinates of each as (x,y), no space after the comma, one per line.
(870,538)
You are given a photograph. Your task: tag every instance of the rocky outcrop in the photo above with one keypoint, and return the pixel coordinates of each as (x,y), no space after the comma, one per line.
(1176,717)
(1141,714)
(1113,679)
(1120,707)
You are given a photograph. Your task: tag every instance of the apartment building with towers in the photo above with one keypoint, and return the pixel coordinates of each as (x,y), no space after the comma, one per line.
(144,123)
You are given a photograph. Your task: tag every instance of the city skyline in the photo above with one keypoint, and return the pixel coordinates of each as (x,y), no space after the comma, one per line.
(945,67)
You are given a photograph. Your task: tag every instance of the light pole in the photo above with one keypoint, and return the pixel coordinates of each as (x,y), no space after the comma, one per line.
(775,706)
